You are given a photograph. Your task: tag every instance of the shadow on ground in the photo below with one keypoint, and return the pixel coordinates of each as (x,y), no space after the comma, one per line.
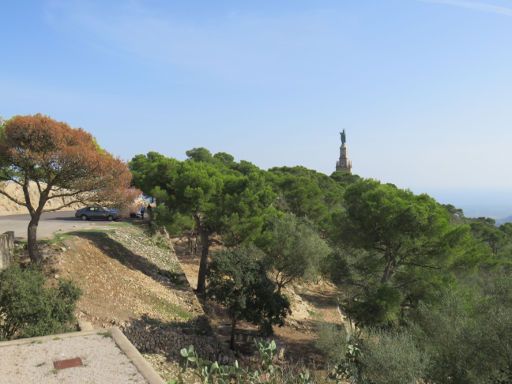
(117,251)
(320,300)
(150,335)
(70,218)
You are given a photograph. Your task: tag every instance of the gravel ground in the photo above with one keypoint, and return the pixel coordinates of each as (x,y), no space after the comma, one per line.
(103,362)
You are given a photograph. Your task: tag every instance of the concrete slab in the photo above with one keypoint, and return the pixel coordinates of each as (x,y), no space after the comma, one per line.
(107,356)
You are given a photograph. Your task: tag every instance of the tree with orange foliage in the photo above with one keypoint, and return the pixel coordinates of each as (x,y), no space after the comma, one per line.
(66,165)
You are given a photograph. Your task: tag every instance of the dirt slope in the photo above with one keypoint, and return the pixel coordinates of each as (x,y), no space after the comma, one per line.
(133,281)
(139,283)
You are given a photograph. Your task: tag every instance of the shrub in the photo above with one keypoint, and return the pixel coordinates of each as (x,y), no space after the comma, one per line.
(381,306)
(294,249)
(469,334)
(333,342)
(238,280)
(391,358)
(28,308)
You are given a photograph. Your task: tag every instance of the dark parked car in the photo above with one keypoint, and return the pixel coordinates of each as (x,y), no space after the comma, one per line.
(135,215)
(97,213)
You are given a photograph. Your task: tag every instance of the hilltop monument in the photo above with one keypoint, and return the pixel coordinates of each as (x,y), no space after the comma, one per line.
(343,164)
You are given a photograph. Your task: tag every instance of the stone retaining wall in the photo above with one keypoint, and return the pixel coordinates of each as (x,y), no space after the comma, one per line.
(168,339)
(6,249)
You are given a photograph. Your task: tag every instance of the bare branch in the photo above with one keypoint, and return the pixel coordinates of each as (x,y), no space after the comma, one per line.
(355,283)
(12,198)
(17,182)
(56,188)
(421,265)
(70,194)
(406,283)
(26,192)
(379,248)
(65,205)
(10,179)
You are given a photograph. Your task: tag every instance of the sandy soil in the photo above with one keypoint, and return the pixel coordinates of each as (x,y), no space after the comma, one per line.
(103,362)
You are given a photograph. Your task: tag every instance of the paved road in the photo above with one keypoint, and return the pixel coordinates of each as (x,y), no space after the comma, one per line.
(49,224)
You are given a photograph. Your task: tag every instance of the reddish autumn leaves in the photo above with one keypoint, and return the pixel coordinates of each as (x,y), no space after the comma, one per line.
(65,164)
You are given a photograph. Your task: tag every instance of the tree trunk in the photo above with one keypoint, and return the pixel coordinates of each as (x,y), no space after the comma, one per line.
(232,339)
(33,251)
(278,282)
(389,269)
(203,264)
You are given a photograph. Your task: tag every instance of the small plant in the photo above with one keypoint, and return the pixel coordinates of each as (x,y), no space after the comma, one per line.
(305,377)
(267,351)
(349,366)
(189,356)
(209,372)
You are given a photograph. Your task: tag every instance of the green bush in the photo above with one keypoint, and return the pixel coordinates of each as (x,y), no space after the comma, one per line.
(381,306)
(333,342)
(238,280)
(28,308)
(391,358)
(469,334)
(294,249)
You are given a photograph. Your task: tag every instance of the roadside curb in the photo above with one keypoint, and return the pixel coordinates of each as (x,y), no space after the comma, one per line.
(135,357)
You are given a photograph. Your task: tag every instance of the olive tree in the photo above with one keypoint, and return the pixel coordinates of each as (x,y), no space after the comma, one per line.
(293,248)
(238,279)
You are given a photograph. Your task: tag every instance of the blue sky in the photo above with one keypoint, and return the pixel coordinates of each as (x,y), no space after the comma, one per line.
(423,88)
